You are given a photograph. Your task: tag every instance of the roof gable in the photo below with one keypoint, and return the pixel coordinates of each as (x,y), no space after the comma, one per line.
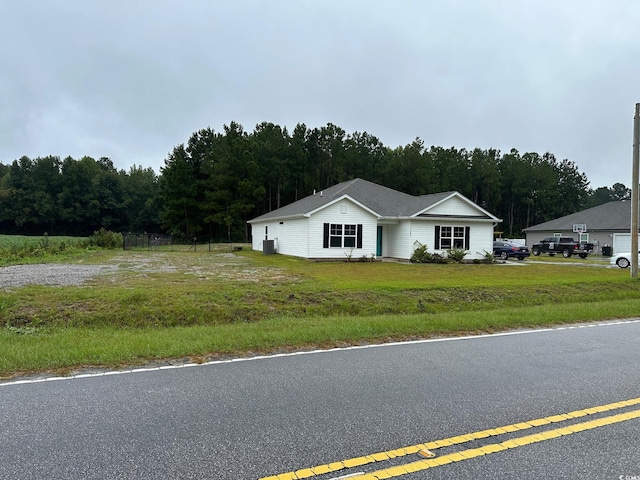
(454,204)
(336,200)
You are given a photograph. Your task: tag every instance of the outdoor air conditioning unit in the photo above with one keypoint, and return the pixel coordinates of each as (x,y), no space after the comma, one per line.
(268,247)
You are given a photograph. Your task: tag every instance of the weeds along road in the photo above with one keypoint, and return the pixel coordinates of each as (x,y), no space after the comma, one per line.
(554,403)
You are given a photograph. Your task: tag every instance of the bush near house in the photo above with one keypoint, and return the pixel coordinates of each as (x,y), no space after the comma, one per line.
(422,255)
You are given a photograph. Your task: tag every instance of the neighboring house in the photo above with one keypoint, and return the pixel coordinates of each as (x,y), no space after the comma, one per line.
(358,218)
(608,224)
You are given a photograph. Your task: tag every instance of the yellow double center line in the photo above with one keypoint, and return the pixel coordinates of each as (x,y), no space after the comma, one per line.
(416,466)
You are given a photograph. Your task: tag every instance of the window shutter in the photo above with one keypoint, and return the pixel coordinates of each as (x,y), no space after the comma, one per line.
(325,240)
(436,243)
(467,232)
(359,236)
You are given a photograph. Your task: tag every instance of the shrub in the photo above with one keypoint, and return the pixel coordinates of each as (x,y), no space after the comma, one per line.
(44,241)
(456,254)
(105,239)
(421,255)
(489,257)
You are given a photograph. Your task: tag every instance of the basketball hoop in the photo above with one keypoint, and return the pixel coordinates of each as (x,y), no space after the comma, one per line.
(579,228)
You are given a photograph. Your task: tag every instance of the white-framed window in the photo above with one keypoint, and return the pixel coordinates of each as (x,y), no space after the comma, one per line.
(339,235)
(452,236)
(335,235)
(349,239)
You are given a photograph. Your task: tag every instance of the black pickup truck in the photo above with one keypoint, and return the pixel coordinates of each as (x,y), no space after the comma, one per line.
(567,246)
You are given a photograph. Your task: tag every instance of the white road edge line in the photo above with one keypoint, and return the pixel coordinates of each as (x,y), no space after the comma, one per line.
(312,352)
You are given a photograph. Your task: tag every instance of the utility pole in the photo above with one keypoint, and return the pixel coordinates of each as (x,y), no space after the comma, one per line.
(634,193)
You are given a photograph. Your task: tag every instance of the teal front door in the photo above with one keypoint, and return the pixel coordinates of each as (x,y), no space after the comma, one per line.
(379,243)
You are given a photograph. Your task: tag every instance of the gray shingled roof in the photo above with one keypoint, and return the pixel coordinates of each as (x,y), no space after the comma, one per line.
(608,216)
(385,201)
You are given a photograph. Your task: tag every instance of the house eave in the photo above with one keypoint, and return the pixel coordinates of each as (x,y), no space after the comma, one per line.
(426,217)
(279,218)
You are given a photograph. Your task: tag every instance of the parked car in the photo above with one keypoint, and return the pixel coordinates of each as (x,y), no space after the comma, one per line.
(622,260)
(506,250)
(567,246)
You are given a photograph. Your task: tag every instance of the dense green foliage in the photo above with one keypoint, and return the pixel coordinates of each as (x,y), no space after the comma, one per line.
(21,249)
(211,186)
(32,249)
(421,254)
(105,239)
(76,197)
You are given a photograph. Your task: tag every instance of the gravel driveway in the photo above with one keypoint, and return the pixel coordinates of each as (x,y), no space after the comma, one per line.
(49,274)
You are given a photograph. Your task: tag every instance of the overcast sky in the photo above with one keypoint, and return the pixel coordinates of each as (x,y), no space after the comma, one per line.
(130,80)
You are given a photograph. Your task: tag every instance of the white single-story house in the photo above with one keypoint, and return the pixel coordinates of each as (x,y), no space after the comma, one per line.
(608,224)
(358,218)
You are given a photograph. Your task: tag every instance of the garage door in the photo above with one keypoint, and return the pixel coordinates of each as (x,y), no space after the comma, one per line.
(621,242)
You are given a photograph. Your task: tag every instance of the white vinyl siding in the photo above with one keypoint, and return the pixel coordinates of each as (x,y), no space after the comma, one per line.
(289,236)
(344,212)
(424,231)
(455,206)
(398,240)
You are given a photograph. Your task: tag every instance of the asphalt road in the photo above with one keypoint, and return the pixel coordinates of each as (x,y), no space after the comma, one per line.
(266,417)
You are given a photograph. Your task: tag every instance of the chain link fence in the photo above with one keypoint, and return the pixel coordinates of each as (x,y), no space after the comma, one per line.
(147,241)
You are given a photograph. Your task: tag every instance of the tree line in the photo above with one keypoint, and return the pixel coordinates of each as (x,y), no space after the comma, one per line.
(210,186)
(76,197)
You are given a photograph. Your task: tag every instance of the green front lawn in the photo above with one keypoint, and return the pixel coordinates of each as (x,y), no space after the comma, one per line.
(204,304)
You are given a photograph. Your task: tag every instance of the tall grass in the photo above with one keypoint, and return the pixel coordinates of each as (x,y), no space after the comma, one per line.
(30,249)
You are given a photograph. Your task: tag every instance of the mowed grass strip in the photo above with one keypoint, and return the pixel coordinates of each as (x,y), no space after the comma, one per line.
(61,350)
(209,304)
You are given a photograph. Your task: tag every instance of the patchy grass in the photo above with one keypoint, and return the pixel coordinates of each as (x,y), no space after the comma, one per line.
(207,303)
